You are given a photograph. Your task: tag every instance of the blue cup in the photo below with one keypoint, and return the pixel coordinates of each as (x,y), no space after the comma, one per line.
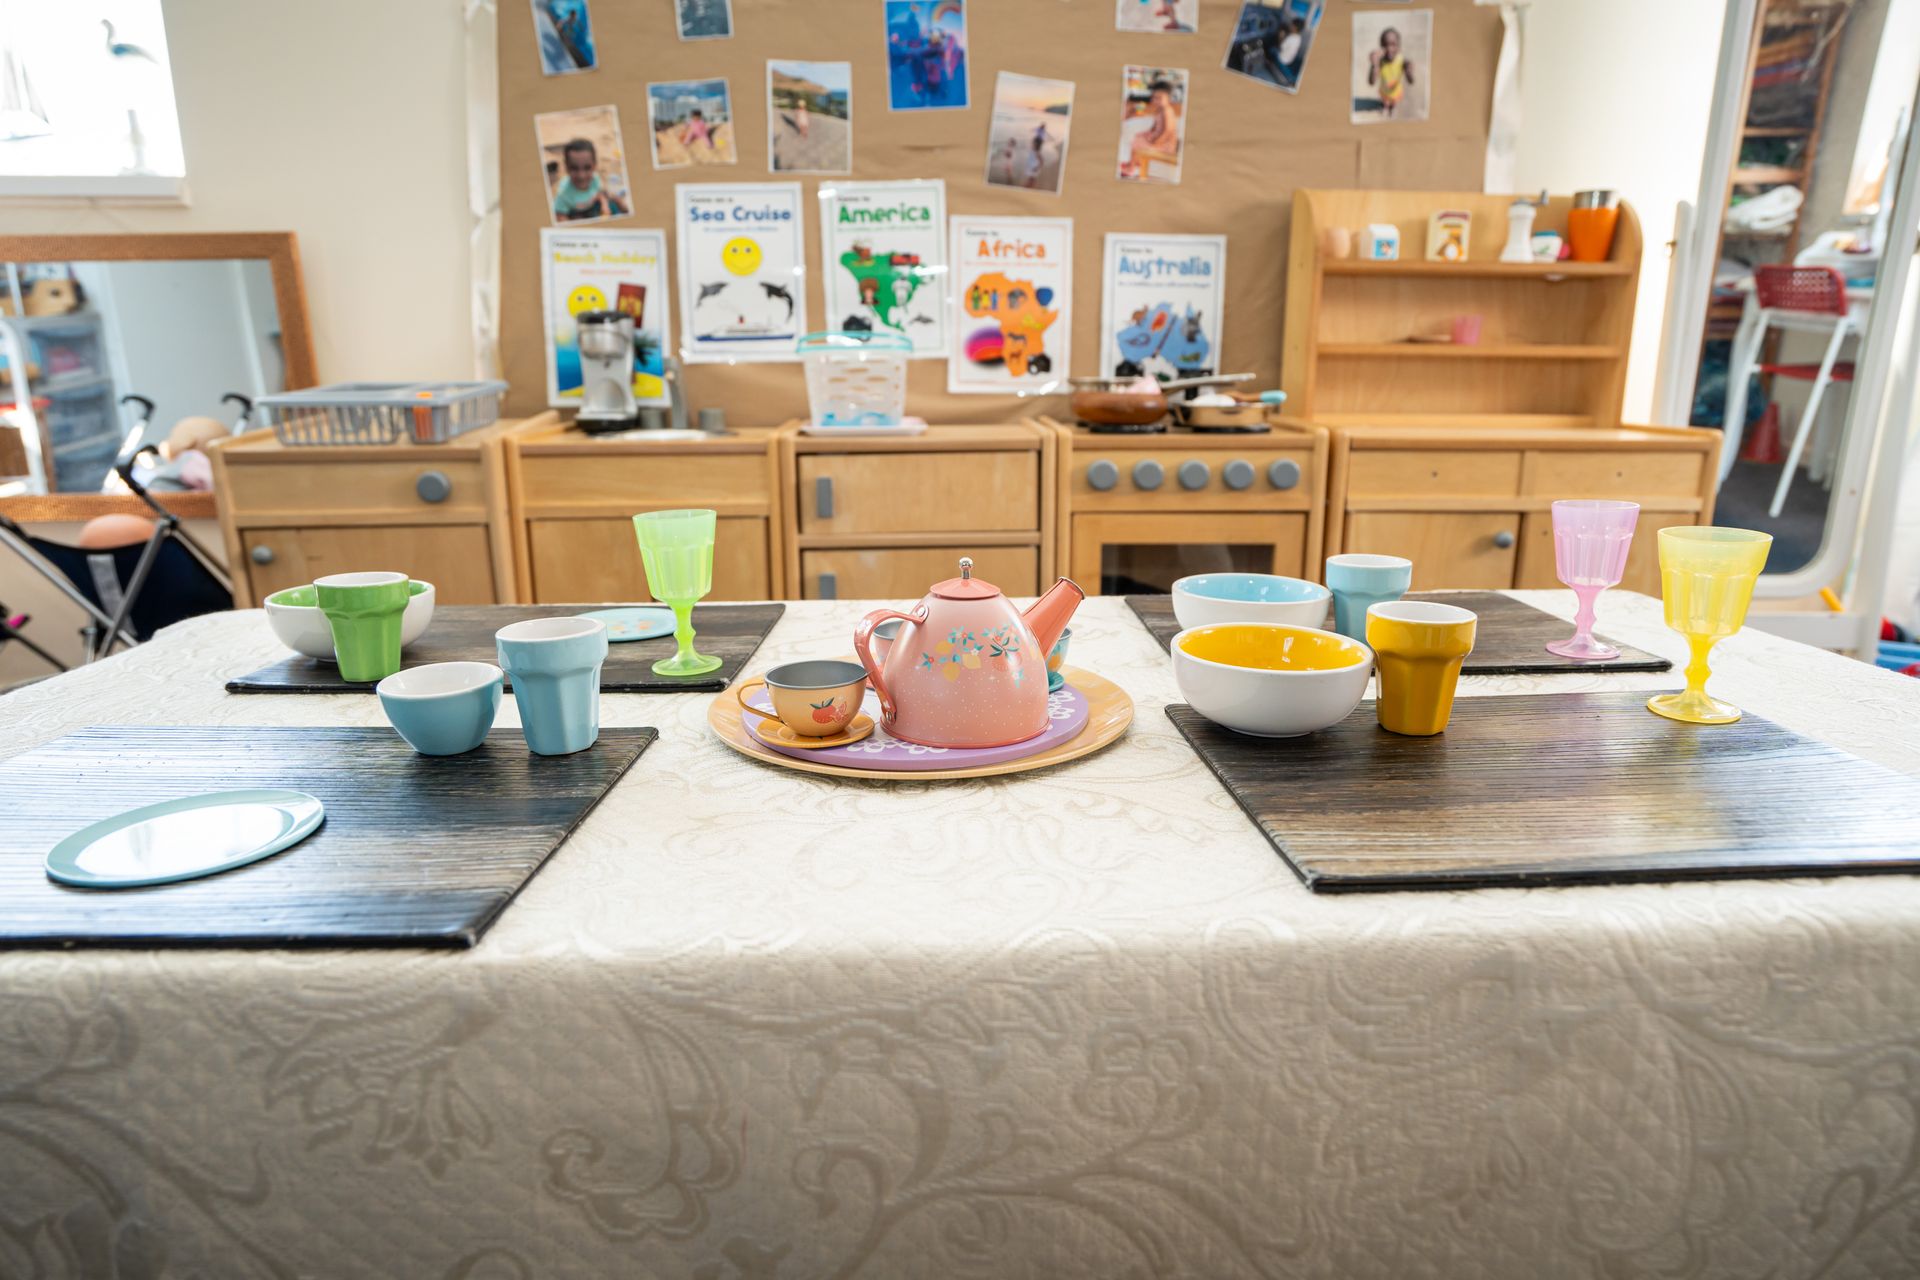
(555,665)
(442,708)
(1358,582)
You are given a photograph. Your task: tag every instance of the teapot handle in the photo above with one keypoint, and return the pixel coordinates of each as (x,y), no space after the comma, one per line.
(863,649)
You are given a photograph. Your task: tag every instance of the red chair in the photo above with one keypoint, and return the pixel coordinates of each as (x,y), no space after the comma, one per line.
(1805,291)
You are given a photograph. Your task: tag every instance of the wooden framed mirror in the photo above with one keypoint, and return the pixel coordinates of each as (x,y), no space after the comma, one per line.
(179,319)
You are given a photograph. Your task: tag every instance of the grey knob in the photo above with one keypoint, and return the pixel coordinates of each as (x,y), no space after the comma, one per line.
(1102,475)
(1194,474)
(1283,474)
(1238,474)
(433,486)
(1503,539)
(261,555)
(1147,474)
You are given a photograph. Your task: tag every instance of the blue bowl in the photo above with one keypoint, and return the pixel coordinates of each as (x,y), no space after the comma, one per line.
(1211,599)
(443,708)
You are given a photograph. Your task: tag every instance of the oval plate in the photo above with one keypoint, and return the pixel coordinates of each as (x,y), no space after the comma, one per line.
(184,839)
(634,624)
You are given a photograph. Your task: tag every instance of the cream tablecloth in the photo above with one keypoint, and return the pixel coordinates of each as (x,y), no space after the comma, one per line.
(749,1025)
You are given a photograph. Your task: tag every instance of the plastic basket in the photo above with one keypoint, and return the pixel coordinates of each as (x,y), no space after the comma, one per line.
(856,379)
(381,412)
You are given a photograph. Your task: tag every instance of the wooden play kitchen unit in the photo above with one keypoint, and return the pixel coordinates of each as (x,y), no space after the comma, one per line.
(880,517)
(1144,509)
(1452,453)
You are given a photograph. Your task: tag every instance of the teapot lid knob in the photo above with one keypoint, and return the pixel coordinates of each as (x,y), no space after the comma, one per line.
(966,566)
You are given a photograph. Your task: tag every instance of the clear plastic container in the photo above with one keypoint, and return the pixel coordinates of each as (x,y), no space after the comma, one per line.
(382,412)
(856,379)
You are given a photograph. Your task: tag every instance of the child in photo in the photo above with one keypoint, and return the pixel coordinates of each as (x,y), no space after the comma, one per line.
(1389,71)
(926,54)
(583,197)
(1027,137)
(692,123)
(564,32)
(1272,41)
(1151,131)
(584,164)
(1391,53)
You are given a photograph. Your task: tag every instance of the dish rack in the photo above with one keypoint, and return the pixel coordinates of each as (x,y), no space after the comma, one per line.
(381,412)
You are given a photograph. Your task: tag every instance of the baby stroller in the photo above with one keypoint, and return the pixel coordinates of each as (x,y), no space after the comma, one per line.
(129,592)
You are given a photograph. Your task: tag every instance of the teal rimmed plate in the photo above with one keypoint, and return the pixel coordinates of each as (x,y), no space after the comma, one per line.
(184,839)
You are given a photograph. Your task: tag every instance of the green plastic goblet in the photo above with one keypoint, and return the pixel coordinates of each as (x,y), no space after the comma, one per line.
(677,549)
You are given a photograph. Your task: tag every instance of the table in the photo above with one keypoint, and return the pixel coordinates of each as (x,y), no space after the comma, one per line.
(752,1024)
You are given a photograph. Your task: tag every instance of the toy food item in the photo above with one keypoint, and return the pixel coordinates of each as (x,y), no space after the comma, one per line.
(1447,235)
(1380,242)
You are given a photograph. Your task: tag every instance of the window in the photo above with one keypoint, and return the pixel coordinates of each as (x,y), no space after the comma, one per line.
(86,100)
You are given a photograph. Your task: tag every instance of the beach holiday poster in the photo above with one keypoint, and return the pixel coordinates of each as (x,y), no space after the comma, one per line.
(593,270)
(742,270)
(926,54)
(1012,323)
(884,260)
(1160,305)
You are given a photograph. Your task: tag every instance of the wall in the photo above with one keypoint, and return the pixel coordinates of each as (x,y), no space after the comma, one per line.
(1617,95)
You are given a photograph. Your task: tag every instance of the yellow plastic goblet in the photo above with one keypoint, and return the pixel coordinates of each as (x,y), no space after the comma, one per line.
(1706,582)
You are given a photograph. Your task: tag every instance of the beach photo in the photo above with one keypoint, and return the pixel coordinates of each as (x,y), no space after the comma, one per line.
(1272,39)
(703,19)
(809,117)
(1391,56)
(926,55)
(563,30)
(1027,141)
(583,164)
(692,123)
(1153,123)
(1158,17)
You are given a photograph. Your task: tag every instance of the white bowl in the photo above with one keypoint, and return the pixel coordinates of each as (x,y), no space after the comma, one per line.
(303,628)
(1204,599)
(1270,680)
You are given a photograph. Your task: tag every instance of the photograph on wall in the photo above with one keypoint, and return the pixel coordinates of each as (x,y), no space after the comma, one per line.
(587,271)
(583,164)
(1012,324)
(1391,56)
(1027,139)
(742,270)
(563,30)
(692,123)
(704,19)
(926,54)
(809,117)
(1158,17)
(883,259)
(1160,305)
(1153,124)
(1272,39)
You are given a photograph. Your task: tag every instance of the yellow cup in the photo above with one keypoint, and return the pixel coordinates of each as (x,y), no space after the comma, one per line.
(814,699)
(1417,650)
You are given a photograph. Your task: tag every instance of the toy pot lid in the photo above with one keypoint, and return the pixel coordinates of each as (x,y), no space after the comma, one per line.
(964,587)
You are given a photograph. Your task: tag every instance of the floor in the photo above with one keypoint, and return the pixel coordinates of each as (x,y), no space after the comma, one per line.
(1802,522)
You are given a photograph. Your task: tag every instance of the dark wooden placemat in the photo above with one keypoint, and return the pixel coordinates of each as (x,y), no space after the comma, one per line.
(1510,640)
(464,633)
(1561,788)
(415,850)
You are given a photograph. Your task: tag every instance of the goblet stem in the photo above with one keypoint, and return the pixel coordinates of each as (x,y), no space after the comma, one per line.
(683,631)
(1583,615)
(1697,671)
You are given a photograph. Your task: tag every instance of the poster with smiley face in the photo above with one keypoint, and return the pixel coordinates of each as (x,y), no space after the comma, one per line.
(604,271)
(742,270)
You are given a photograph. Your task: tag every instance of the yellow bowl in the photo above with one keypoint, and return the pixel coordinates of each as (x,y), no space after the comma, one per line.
(1270,680)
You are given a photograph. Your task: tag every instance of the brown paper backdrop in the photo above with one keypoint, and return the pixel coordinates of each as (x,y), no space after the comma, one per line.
(1248,147)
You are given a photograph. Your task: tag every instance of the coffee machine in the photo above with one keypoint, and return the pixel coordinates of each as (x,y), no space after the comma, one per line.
(606,371)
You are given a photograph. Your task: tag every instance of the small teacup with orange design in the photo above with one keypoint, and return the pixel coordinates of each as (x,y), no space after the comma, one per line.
(814,699)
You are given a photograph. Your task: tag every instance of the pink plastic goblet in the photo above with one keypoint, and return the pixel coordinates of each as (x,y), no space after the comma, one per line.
(1590,543)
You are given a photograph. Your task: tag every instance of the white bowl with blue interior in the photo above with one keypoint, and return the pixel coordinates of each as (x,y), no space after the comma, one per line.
(1211,599)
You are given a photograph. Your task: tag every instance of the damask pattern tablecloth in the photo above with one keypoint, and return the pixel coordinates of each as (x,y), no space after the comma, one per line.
(751,1025)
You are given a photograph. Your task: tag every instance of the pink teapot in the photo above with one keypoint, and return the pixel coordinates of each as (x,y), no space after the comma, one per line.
(967,669)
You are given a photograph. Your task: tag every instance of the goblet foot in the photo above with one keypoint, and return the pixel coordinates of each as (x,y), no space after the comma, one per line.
(1693,707)
(687,663)
(1583,649)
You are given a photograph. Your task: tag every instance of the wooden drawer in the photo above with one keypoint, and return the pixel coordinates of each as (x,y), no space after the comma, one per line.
(1643,558)
(456,558)
(641,480)
(1211,494)
(274,490)
(1377,473)
(586,560)
(848,493)
(905,573)
(1448,549)
(1612,474)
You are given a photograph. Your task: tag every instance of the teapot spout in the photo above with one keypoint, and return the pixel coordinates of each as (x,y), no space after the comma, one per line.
(1047,617)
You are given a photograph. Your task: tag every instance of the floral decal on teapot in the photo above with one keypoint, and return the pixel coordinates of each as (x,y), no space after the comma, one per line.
(971,650)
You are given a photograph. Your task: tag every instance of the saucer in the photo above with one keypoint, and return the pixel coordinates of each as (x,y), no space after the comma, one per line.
(775,734)
(634,624)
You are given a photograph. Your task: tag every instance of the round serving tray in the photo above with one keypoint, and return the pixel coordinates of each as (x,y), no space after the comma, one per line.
(1109,712)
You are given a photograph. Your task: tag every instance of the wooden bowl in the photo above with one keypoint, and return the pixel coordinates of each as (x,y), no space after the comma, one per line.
(1124,408)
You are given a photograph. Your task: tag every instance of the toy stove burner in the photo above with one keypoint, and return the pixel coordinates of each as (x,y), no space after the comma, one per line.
(1124,428)
(1246,429)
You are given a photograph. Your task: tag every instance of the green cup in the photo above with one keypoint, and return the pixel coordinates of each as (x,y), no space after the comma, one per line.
(363,612)
(677,550)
